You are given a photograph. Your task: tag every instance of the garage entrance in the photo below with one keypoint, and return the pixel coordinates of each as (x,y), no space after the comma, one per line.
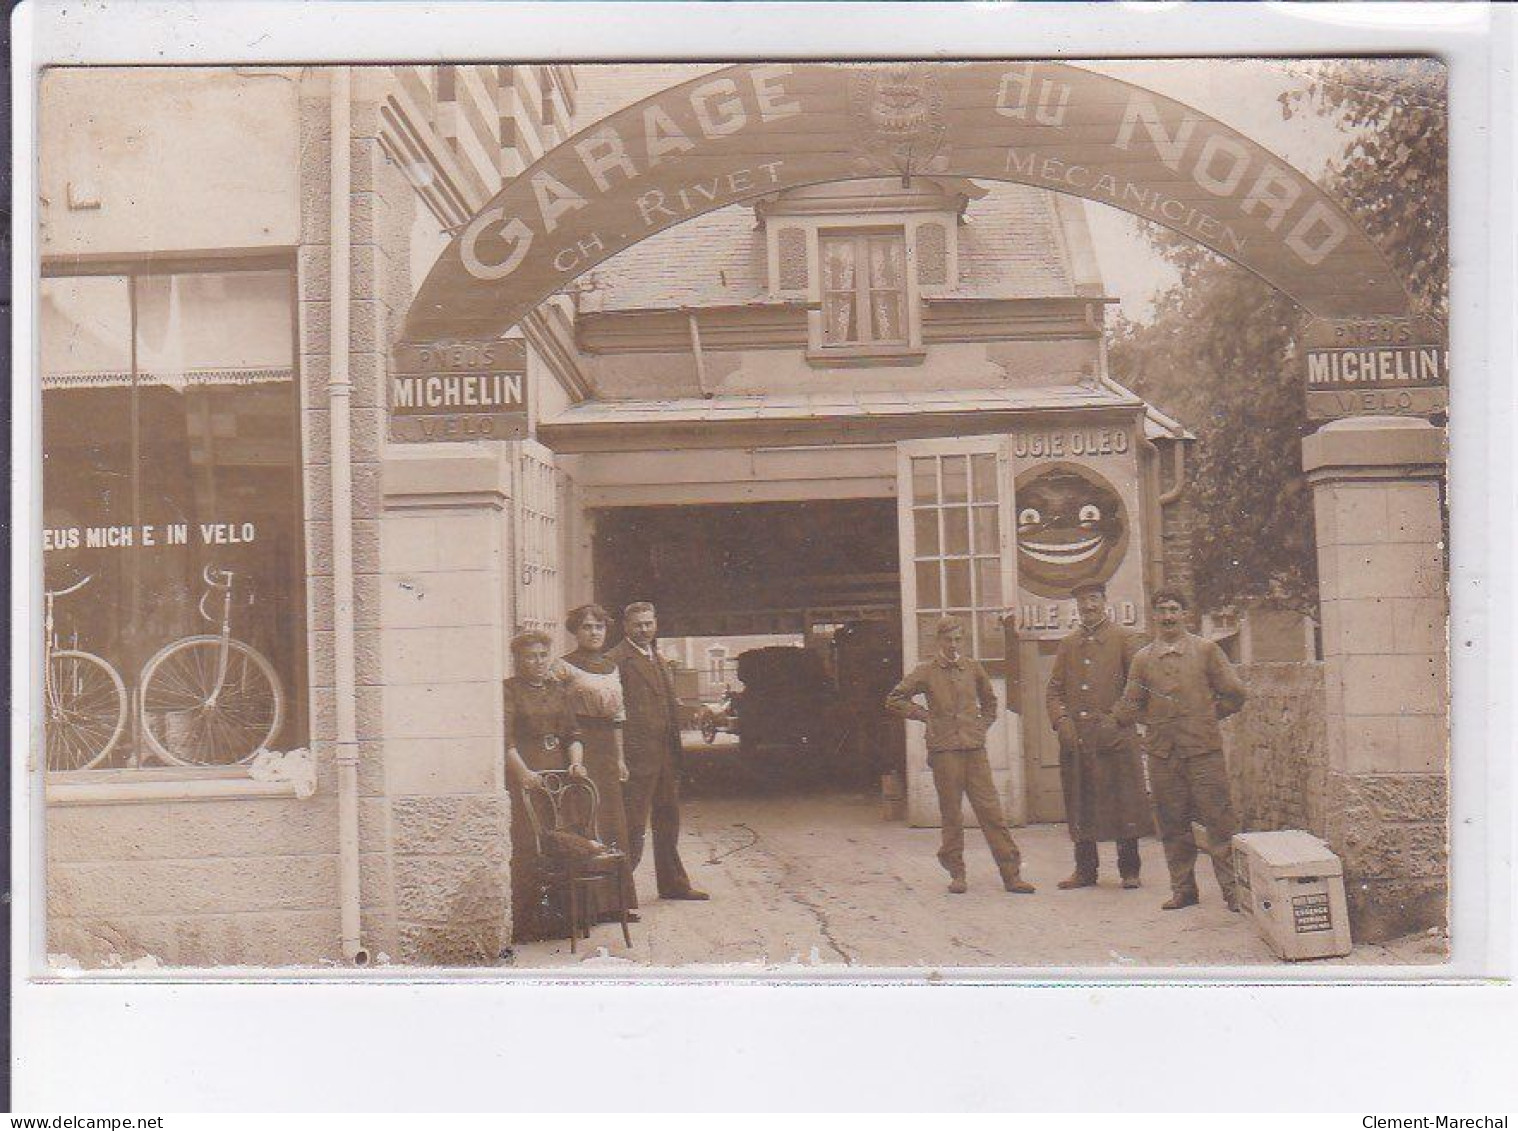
(795,607)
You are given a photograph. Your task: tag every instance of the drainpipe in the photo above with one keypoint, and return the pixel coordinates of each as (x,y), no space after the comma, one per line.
(339,399)
(1155,566)
(700,356)
(1178,486)
(1161,500)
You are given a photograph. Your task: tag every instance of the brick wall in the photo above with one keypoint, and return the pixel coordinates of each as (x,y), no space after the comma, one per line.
(1177,520)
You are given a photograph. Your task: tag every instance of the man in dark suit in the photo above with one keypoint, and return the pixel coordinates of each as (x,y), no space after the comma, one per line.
(651,742)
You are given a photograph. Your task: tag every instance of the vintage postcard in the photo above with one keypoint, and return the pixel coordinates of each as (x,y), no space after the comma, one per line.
(823,516)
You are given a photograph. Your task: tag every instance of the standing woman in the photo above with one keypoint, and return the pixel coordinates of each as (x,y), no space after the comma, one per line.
(541,734)
(596,689)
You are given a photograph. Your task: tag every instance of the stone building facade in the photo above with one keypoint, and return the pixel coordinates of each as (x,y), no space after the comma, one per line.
(209,866)
(910,373)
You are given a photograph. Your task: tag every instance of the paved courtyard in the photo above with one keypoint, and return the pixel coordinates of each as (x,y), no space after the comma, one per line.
(817,878)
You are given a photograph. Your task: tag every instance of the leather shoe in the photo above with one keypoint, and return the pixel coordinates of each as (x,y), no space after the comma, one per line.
(1130,882)
(1070,883)
(957,885)
(688,893)
(1180,900)
(1012,880)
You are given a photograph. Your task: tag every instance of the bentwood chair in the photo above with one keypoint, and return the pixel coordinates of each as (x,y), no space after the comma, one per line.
(573,864)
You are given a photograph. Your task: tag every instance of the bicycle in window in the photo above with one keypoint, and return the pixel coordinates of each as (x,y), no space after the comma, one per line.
(84,699)
(210,700)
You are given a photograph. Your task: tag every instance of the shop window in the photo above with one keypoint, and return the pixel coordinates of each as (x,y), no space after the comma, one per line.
(864,289)
(173,525)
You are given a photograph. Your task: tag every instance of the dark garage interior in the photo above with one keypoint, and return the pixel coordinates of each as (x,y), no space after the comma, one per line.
(826,572)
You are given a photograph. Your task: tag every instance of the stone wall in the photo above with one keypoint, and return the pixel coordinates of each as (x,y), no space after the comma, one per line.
(1388,828)
(437,585)
(365,414)
(1277,749)
(443,591)
(1391,831)
(231,882)
(434,856)
(1378,506)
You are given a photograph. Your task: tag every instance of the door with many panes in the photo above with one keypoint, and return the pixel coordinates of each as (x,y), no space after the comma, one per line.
(955,510)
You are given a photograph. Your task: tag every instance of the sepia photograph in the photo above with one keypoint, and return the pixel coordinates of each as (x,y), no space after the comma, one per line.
(778,518)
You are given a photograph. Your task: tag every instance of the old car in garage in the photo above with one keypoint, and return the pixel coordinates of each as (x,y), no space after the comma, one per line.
(788,703)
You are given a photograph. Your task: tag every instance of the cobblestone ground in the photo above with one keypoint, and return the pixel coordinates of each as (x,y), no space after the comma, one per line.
(818,879)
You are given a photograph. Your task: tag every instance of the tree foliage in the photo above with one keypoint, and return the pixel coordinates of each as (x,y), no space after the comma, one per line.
(1394,173)
(1219,352)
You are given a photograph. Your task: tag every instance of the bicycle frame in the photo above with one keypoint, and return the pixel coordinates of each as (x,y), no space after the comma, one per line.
(218,579)
(50,645)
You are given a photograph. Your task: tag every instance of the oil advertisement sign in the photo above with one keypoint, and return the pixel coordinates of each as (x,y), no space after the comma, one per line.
(1076,501)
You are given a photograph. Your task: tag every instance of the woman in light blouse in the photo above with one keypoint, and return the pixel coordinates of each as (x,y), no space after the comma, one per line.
(596,691)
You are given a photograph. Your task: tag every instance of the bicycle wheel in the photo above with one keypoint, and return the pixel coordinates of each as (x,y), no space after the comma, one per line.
(191,721)
(85,711)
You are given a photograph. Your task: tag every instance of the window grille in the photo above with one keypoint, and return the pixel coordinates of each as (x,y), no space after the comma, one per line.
(538,598)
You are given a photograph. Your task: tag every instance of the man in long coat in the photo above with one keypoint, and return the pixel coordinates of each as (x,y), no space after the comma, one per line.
(1099,769)
(651,745)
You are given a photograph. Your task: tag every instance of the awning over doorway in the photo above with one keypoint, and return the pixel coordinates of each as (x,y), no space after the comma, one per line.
(816,418)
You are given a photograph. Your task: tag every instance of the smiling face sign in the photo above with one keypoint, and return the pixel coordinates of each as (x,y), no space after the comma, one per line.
(1071,527)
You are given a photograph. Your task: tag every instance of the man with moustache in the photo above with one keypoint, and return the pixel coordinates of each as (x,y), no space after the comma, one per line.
(1179,687)
(651,747)
(1099,769)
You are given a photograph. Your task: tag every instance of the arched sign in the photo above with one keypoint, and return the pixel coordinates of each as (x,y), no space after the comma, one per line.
(758,128)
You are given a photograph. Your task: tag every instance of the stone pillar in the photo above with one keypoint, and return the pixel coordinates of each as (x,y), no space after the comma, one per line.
(1377,485)
(442,595)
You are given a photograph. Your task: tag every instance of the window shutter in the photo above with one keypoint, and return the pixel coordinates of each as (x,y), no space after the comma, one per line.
(792,259)
(932,255)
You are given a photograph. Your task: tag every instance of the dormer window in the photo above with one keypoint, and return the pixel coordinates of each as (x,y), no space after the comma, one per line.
(862,255)
(864,287)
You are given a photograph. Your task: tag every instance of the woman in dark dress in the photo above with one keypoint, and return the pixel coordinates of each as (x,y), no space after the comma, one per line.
(596,689)
(541,734)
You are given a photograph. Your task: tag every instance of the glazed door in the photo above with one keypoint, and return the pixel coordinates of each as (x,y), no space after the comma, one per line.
(954,503)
